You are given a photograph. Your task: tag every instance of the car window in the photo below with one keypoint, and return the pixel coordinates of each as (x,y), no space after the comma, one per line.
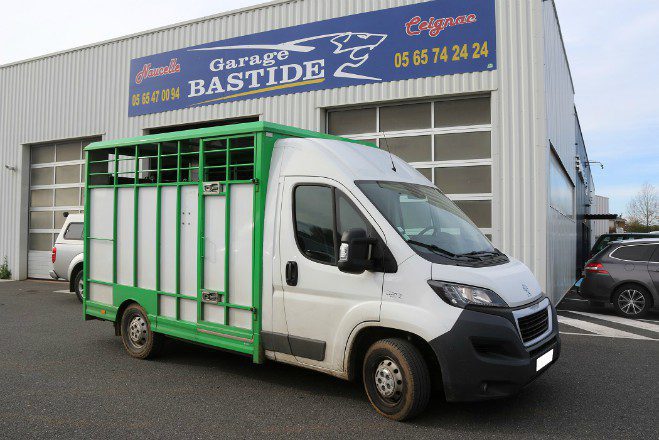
(73,231)
(633,253)
(347,216)
(655,256)
(314,222)
(601,243)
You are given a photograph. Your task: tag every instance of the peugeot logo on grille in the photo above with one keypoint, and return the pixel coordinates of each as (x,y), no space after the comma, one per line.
(526,289)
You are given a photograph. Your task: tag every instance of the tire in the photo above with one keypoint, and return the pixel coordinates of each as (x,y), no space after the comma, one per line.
(138,339)
(632,301)
(78,285)
(396,379)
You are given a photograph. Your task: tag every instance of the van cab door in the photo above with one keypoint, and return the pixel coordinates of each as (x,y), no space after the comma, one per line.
(322,304)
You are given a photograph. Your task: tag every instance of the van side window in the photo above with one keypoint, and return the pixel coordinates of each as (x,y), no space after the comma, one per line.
(347,216)
(73,231)
(633,253)
(314,222)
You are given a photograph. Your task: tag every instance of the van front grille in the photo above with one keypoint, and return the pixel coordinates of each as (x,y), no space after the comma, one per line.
(533,325)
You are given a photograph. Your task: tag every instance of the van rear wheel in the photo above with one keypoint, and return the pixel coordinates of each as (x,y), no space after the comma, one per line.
(138,339)
(396,379)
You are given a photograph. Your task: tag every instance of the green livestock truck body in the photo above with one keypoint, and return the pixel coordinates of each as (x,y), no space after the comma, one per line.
(149,200)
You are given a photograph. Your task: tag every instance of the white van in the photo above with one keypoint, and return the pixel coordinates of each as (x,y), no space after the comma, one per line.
(316,251)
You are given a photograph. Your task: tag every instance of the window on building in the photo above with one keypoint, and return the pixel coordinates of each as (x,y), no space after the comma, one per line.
(456,112)
(561,189)
(448,141)
(406,117)
(353,121)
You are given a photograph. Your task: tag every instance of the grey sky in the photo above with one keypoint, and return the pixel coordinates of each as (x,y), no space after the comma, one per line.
(611,46)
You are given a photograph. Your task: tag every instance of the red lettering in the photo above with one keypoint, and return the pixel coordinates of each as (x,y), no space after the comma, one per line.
(415,26)
(413,22)
(148,72)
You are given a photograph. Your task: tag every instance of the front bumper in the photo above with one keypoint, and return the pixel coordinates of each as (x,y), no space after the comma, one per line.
(483,356)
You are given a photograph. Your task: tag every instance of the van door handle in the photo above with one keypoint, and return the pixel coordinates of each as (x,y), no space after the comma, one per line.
(291,273)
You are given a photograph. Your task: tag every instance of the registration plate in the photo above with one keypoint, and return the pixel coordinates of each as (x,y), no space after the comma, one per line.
(544,360)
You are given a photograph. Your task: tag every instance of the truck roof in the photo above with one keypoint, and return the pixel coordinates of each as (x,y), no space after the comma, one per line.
(342,161)
(222,130)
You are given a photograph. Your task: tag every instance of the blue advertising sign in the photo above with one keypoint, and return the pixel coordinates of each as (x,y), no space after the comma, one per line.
(440,37)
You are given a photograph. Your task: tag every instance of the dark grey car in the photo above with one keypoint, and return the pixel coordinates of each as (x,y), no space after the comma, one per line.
(625,274)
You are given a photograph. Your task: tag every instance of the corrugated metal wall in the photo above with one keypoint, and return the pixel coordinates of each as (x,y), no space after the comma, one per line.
(84,92)
(599,227)
(519,170)
(561,119)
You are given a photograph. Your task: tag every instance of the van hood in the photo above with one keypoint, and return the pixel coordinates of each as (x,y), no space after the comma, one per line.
(512,281)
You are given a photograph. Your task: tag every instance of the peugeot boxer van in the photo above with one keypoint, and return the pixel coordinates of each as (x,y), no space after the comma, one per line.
(299,247)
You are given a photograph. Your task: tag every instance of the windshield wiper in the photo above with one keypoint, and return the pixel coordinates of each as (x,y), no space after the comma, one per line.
(479,253)
(436,249)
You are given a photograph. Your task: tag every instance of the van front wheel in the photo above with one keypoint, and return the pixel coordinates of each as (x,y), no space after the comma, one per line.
(140,342)
(396,379)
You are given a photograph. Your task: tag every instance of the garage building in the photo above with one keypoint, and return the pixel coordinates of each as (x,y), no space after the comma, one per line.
(477,95)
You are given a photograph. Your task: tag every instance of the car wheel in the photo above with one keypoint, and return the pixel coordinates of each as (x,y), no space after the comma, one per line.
(396,379)
(79,285)
(138,339)
(631,301)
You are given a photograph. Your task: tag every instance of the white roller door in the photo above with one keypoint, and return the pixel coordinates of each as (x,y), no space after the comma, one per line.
(56,186)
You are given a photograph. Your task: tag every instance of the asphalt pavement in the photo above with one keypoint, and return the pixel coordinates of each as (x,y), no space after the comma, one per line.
(62,377)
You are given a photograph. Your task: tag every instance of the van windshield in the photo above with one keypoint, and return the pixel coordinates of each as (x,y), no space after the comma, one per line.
(428,220)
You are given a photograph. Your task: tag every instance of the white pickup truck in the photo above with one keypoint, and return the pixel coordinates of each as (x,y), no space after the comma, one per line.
(67,256)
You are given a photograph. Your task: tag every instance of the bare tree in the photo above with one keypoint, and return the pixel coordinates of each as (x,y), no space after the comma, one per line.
(644,207)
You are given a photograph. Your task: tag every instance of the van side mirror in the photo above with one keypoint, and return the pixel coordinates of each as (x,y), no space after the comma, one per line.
(355,251)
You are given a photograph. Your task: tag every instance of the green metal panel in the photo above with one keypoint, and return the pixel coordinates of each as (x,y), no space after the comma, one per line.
(223,130)
(263,136)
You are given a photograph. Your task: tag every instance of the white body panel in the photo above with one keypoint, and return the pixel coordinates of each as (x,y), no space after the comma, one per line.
(189,234)
(125,235)
(331,306)
(240,259)
(214,243)
(146,238)
(168,240)
(326,304)
(511,281)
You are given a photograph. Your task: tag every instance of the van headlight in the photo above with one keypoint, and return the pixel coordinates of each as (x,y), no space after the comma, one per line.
(460,295)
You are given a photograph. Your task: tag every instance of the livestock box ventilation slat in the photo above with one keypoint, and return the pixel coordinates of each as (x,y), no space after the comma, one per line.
(175,223)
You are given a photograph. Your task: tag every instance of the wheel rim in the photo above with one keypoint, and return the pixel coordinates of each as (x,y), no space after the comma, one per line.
(137,331)
(81,286)
(631,302)
(389,381)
